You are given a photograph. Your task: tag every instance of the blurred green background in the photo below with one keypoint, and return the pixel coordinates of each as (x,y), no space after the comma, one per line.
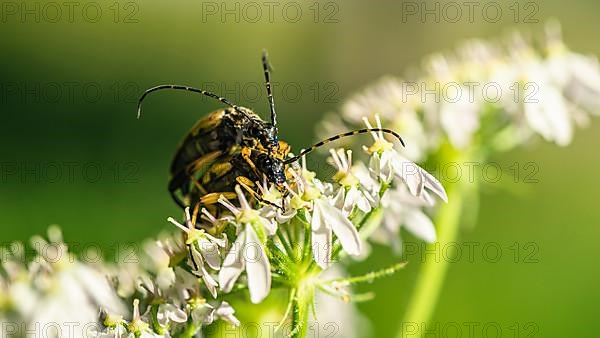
(73,154)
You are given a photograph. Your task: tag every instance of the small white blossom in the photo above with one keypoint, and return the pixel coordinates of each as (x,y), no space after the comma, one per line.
(248,252)
(270,193)
(55,289)
(204,248)
(403,210)
(395,102)
(170,313)
(386,163)
(325,219)
(351,193)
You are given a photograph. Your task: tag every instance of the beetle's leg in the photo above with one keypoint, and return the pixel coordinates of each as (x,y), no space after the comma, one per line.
(283,150)
(246,152)
(213,197)
(247,184)
(195,213)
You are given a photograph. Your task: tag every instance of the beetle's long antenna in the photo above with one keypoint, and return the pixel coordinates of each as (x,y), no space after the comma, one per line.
(189,89)
(267,68)
(339,136)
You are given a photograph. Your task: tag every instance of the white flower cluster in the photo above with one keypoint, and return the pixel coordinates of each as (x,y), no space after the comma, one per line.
(500,93)
(483,98)
(252,246)
(177,284)
(53,294)
(172,300)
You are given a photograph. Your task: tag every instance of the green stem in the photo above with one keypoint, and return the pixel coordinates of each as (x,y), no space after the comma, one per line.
(189,331)
(155,325)
(300,306)
(431,276)
(286,245)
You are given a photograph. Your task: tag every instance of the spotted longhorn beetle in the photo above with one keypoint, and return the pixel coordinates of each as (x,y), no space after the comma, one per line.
(233,146)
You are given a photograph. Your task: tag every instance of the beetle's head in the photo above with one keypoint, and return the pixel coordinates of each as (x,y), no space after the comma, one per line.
(272,168)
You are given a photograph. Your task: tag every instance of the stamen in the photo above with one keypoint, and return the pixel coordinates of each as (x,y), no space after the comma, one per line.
(136,309)
(243,202)
(343,159)
(378,120)
(208,216)
(188,218)
(368,124)
(177,224)
(263,189)
(349,155)
(298,179)
(224,202)
(287,186)
(304,163)
(336,159)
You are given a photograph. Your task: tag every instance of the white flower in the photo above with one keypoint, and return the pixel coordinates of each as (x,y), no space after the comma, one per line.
(352,193)
(205,314)
(487,94)
(248,253)
(460,118)
(386,163)
(271,194)
(204,248)
(138,326)
(170,313)
(325,219)
(396,102)
(61,290)
(157,261)
(226,312)
(578,74)
(403,210)
(548,114)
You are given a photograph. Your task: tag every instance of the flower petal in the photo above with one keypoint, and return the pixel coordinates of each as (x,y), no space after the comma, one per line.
(341,226)
(226,312)
(269,226)
(210,282)
(210,252)
(172,313)
(321,237)
(222,242)
(354,196)
(434,185)
(233,265)
(409,172)
(258,267)
(420,225)
(203,314)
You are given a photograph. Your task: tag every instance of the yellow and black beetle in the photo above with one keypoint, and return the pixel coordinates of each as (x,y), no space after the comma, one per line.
(233,146)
